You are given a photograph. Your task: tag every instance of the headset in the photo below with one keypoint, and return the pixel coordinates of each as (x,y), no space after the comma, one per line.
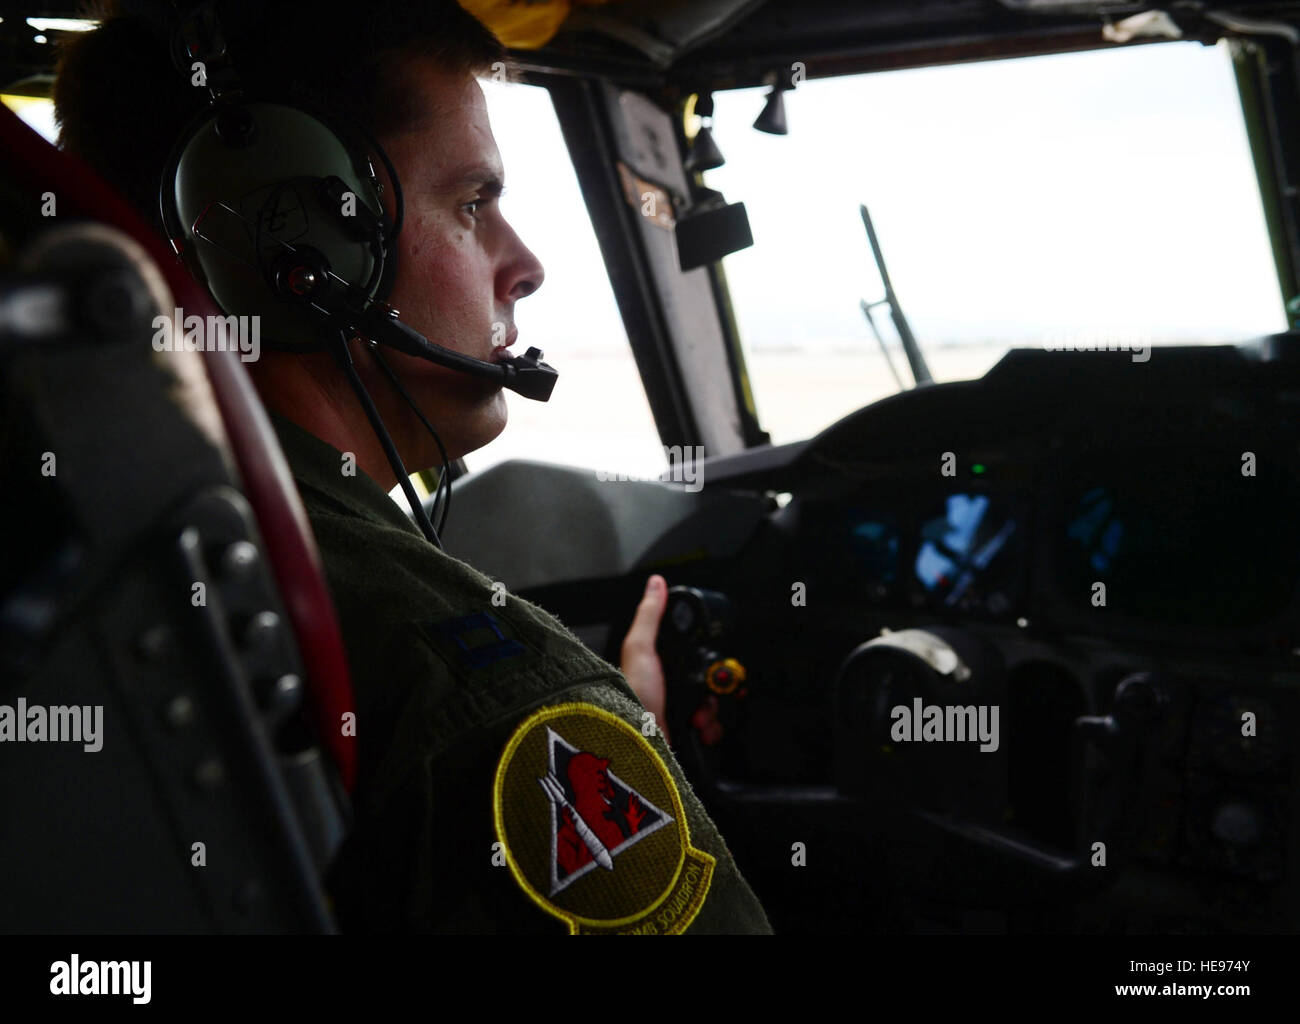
(280,214)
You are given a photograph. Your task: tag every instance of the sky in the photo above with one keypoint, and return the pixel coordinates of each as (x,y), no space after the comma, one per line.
(1110,190)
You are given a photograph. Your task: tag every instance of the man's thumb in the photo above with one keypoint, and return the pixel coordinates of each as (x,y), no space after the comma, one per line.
(645,625)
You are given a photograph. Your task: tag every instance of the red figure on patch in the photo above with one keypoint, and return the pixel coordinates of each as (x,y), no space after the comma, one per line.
(595,800)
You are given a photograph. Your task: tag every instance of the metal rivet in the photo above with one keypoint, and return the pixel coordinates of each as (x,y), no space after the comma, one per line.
(287,691)
(239,558)
(261,630)
(179,712)
(153,644)
(210,773)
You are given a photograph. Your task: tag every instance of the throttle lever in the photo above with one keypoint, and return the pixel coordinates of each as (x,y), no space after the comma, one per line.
(1141,701)
(692,643)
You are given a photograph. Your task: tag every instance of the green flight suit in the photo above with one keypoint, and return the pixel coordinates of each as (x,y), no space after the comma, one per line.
(486,734)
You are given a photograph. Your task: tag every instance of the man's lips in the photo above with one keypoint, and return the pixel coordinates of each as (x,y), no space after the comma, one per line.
(504,350)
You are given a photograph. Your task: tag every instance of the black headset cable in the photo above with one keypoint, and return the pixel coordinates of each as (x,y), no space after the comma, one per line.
(344,358)
(444,476)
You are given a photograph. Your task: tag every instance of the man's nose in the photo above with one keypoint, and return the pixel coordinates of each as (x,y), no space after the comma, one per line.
(523,274)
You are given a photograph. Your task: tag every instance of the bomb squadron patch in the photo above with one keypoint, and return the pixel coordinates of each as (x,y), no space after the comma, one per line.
(593,826)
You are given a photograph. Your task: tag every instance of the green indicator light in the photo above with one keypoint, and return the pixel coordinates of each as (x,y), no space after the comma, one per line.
(977,469)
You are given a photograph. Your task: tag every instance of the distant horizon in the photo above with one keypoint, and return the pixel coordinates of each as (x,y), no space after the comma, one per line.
(854,346)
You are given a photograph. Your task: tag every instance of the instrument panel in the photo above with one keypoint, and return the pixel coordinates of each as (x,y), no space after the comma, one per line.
(1117,541)
(953,551)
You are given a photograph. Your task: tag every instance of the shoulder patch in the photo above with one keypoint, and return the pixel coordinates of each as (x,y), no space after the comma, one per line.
(593,826)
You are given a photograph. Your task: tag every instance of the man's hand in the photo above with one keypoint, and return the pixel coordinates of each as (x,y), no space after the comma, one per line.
(639,660)
(645,673)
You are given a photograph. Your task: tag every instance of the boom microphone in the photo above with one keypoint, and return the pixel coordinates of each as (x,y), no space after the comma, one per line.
(526,375)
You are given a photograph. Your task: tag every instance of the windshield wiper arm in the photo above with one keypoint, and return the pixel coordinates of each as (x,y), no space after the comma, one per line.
(920,372)
(884,350)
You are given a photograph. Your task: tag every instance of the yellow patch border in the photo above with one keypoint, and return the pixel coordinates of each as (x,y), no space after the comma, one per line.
(576,922)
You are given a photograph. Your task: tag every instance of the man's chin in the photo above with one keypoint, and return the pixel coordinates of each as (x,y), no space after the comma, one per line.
(488,420)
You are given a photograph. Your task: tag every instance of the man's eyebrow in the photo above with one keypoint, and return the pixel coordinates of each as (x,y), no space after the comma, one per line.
(485,177)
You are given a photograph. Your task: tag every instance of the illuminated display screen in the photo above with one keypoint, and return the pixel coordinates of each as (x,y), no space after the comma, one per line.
(963,559)
(1186,540)
(874,549)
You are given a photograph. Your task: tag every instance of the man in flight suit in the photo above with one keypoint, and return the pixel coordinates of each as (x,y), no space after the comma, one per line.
(510,780)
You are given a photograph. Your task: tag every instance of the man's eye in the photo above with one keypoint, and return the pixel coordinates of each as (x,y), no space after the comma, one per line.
(476,205)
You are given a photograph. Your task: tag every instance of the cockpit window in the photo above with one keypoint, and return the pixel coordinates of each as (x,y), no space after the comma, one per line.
(1102,199)
(37,112)
(598,416)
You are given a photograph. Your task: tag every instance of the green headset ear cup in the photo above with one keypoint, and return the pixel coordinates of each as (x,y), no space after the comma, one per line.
(252,194)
